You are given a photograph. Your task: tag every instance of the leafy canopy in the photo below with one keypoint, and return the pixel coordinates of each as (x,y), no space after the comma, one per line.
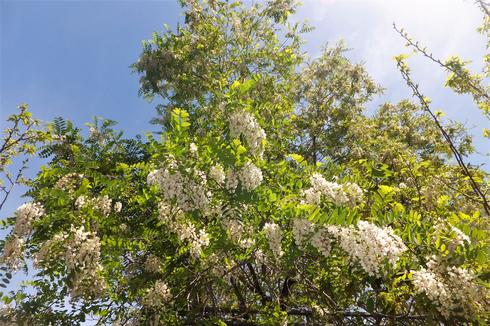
(268,196)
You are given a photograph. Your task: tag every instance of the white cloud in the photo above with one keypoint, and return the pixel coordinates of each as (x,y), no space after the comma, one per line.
(446,27)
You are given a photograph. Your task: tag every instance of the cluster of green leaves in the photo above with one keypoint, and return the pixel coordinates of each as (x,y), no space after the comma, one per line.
(18,142)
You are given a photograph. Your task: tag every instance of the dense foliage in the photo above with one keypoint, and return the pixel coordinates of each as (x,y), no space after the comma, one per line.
(268,196)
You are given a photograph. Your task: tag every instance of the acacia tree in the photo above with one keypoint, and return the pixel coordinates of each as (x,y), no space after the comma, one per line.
(233,214)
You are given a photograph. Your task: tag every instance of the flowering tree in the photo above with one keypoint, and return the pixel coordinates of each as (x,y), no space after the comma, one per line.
(241,211)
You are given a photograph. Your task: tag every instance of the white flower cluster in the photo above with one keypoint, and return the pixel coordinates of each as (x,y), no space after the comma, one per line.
(322,240)
(245,124)
(301,231)
(157,296)
(312,196)
(13,251)
(371,246)
(250,176)
(193,149)
(348,193)
(153,264)
(188,191)
(461,238)
(81,201)
(82,256)
(165,213)
(80,251)
(198,240)
(274,235)
(88,284)
(25,215)
(68,182)
(103,204)
(427,282)
(231,180)
(368,244)
(118,207)
(453,290)
(93,133)
(217,174)
(186,231)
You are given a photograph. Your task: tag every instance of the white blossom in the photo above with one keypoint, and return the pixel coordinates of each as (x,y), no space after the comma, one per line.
(322,241)
(103,204)
(301,230)
(198,240)
(188,191)
(250,176)
(46,251)
(427,282)
(83,249)
(88,283)
(82,256)
(217,174)
(245,124)
(452,289)
(231,180)
(348,193)
(13,251)
(81,201)
(461,237)
(117,207)
(312,196)
(369,245)
(157,296)
(274,235)
(68,182)
(93,133)
(25,215)
(164,212)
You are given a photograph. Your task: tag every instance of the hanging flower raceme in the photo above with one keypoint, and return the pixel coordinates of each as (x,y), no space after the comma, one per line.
(349,194)
(188,191)
(157,296)
(217,174)
(69,182)
(367,244)
(80,250)
(13,252)
(25,215)
(250,176)
(371,246)
(452,289)
(244,124)
(274,235)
